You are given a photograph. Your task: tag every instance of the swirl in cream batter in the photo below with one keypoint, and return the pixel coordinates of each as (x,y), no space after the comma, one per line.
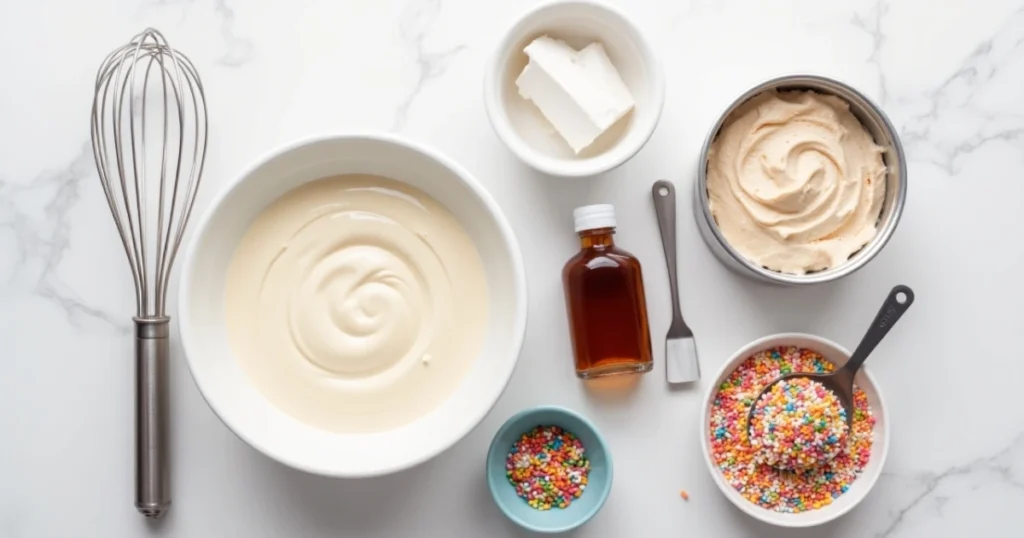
(795,182)
(342,303)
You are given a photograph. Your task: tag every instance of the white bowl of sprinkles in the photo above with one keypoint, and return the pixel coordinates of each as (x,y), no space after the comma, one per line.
(774,496)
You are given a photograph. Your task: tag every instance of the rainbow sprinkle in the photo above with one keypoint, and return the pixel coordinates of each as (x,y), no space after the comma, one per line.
(744,466)
(548,468)
(798,424)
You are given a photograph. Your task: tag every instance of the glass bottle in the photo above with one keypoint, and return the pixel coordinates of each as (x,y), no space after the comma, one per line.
(604,298)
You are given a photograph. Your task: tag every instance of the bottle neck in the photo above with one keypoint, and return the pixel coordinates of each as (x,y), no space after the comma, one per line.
(601,237)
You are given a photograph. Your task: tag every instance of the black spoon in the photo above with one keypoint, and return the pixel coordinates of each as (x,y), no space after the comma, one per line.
(840,382)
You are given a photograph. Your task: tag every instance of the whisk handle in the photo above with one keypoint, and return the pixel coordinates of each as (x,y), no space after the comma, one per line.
(152,351)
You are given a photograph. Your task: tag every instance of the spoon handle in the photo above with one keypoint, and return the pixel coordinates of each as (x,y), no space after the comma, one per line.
(898,301)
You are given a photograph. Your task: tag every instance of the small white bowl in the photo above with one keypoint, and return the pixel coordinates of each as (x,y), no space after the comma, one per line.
(838,356)
(228,389)
(523,128)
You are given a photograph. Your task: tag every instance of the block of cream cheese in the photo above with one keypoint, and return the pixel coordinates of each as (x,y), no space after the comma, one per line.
(579,92)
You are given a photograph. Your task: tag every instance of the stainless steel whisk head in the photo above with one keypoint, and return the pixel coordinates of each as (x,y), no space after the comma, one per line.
(149,134)
(149,105)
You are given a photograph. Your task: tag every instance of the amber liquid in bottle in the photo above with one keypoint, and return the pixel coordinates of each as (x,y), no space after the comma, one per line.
(604,296)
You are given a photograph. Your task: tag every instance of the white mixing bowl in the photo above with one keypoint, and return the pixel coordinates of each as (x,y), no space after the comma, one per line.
(228,390)
(837,355)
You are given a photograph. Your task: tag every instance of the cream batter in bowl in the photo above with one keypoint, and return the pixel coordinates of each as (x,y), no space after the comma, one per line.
(801,180)
(352,305)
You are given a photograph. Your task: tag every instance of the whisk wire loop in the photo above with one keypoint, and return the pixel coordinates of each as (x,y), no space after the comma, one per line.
(125,121)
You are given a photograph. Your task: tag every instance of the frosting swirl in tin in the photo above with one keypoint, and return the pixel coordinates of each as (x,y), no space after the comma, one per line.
(795,182)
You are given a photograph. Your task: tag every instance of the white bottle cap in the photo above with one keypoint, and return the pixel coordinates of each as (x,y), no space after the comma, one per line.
(594,217)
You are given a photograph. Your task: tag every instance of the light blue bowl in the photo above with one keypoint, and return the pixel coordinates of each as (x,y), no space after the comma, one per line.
(599,481)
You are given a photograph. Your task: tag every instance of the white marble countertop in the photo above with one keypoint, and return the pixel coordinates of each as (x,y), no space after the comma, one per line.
(950,75)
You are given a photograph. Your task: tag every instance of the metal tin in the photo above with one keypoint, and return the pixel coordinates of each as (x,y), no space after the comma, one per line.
(881,129)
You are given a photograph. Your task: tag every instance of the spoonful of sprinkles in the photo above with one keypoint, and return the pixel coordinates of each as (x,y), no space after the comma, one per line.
(801,420)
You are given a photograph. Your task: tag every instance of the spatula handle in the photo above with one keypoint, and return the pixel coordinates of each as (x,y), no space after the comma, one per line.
(664,194)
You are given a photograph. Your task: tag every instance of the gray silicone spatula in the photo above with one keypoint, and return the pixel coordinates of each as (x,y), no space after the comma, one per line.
(681,365)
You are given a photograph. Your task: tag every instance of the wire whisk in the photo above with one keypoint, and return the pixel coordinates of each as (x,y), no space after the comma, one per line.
(149,140)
